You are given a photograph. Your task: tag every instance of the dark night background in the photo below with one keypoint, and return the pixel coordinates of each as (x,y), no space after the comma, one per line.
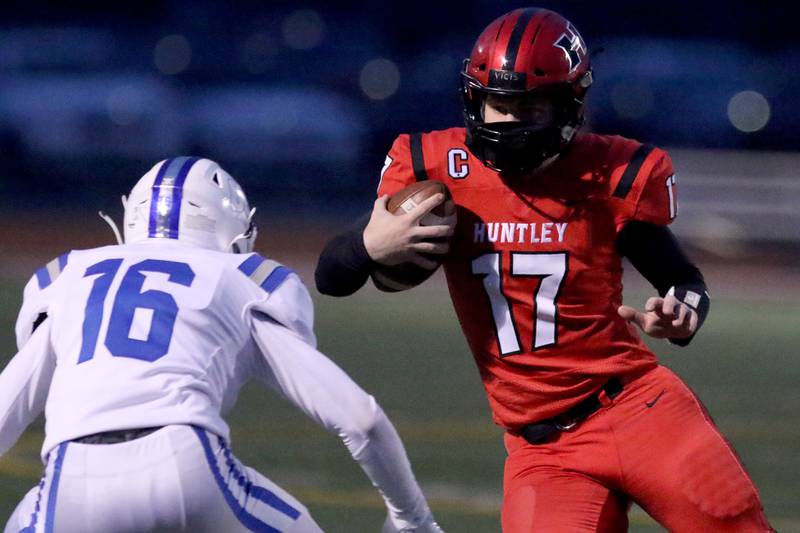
(301,100)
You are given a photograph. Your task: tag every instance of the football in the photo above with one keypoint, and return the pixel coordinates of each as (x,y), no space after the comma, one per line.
(407,275)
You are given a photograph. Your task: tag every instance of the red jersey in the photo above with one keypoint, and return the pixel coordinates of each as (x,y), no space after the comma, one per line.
(533,271)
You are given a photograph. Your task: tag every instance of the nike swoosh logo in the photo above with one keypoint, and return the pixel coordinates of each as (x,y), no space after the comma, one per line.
(652,402)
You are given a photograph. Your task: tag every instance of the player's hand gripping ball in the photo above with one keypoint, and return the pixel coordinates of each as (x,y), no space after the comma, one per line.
(407,275)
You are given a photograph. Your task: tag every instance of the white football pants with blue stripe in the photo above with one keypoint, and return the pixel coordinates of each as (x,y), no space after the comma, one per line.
(179,478)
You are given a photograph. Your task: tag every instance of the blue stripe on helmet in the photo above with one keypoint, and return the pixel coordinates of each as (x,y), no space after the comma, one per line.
(51,498)
(277,277)
(165,203)
(250,264)
(177,196)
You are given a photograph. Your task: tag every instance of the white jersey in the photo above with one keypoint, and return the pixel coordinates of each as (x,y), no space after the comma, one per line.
(154,334)
(164,334)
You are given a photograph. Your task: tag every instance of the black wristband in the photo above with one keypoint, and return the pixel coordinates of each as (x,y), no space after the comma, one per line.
(696,296)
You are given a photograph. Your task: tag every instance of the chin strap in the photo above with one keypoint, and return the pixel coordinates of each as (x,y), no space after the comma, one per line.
(249,236)
(114,228)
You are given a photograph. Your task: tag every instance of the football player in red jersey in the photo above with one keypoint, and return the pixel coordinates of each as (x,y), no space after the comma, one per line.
(545,215)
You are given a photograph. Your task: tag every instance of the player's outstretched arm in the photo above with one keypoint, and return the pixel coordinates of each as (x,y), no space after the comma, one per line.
(24,384)
(324,392)
(683,301)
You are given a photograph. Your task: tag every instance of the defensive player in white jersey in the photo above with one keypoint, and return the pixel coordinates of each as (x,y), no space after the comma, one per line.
(135,351)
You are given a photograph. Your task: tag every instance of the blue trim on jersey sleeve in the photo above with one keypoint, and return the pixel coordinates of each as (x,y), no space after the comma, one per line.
(49,520)
(43,277)
(43,274)
(247,519)
(275,278)
(250,264)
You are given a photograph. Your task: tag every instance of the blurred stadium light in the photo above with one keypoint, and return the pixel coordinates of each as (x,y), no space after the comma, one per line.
(379,79)
(172,54)
(303,29)
(748,111)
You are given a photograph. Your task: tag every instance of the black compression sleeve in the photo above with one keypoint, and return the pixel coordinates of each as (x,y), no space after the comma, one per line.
(344,264)
(655,253)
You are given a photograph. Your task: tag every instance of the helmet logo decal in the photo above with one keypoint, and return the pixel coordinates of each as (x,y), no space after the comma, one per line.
(165,204)
(571,42)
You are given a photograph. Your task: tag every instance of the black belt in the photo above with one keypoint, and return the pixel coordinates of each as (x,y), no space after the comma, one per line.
(537,432)
(115,437)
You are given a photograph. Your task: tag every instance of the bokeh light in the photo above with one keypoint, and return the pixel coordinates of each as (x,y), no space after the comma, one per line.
(748,111)
(632,100)
(125,105)
(379,79)
(172,54)
(303,29)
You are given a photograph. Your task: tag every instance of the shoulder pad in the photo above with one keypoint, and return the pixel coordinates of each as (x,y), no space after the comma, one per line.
(46,275)
(267,274)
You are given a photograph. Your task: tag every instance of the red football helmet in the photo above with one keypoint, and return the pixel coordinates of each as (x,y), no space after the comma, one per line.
(525,52)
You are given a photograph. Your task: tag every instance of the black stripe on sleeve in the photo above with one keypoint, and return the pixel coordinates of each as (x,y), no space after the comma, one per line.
(512,50)
(417,159)
(632,170)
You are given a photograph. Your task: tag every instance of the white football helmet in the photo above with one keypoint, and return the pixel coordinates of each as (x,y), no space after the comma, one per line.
(192,200)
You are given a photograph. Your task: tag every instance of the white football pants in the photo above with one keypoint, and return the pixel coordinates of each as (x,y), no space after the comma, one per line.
(179,478)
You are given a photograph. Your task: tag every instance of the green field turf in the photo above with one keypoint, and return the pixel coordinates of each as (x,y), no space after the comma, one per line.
(408,351)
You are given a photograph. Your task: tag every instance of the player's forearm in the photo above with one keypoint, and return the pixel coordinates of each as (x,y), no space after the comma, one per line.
(14,418)
(23,388)
(344,265)
(322,390)
(656,254)
(383,458)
